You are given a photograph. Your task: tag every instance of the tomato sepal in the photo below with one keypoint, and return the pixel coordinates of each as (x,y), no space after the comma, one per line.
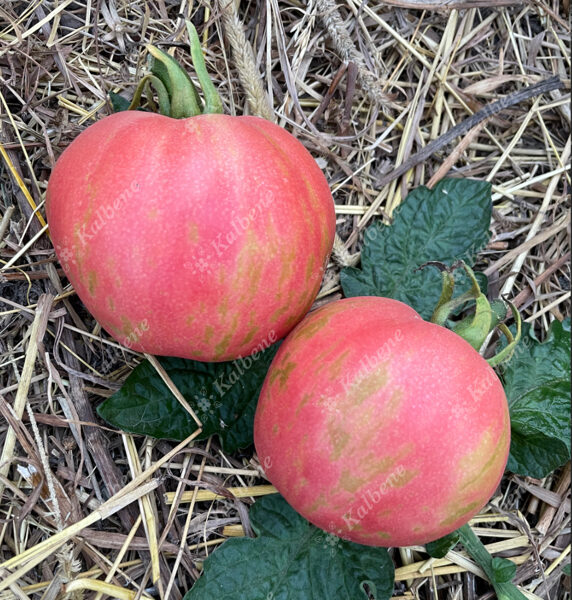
(147,85)
(506,353)
(213,102)
(183,96)
(487,316)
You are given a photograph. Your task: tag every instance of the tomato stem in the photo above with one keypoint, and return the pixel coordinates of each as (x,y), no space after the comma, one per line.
(475,548)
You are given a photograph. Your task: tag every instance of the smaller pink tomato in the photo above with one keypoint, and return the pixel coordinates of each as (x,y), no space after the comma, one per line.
(380,427)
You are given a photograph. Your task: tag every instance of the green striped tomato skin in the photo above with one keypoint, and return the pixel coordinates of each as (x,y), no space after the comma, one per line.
(380,427)
(202,238)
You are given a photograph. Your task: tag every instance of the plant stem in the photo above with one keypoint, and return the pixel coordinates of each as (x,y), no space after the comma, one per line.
(476,549)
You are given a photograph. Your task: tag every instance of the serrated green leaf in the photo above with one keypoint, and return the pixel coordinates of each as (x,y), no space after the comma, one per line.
(566,569)
(448,223)
(290,559)
(537,385)
(223,395)
(440,547)
(536,454)
(503,570)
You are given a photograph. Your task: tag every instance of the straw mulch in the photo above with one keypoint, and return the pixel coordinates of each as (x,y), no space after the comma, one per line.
(365,86)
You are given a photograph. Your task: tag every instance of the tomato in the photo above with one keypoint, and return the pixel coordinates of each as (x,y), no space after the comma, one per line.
(380,427)
(202,238)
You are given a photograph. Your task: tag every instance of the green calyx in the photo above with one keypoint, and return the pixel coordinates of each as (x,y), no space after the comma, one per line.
(487,316)
(176,94)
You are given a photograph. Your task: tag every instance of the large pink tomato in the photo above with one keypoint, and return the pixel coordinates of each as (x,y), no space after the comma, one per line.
(201,238)
(380,427)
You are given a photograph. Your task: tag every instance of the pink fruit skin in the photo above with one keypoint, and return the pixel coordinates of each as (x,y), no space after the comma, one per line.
(380,427)
(201,238)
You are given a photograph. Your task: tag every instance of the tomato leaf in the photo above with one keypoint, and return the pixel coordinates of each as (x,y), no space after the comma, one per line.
(537,385)
(503,570)
(290,559)
(535,454)
(223,396)
(118,103)
(440,547)
(445,224)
